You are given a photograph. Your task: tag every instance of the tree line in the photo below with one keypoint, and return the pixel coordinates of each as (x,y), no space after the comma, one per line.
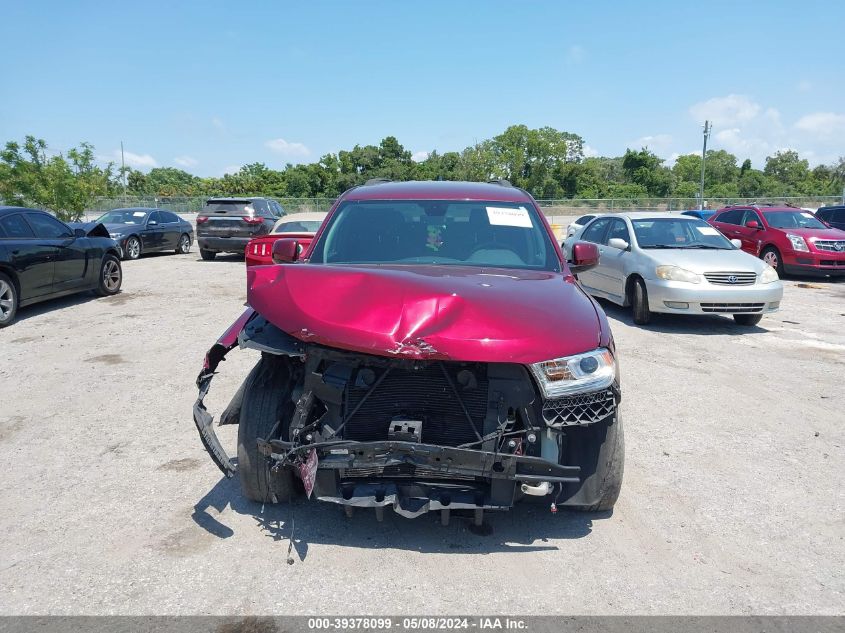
(549,163)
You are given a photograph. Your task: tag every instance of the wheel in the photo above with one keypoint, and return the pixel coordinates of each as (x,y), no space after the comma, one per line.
(8,301)
(184,245)
(111,276)
(639,302)
(132,249)
(748,319)
(266,399)
(772,257)
(606,482)
(207,255)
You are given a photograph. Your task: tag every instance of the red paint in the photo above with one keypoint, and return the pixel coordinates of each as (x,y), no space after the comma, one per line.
(259,250)
(447,312)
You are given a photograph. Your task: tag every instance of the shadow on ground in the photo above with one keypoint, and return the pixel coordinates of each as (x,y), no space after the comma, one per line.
(52,305)
(526,527)
(683,324)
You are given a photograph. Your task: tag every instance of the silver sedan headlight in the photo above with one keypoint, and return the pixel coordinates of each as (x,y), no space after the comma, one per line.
(675,273)
(590,371)
(769,275)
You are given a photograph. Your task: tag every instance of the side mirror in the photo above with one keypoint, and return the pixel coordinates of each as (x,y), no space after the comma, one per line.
(752,224)
(285,250)
(737,243)
(618,242)
(78,233)
(585,255)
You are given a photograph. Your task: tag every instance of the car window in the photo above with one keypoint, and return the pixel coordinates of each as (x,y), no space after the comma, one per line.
(838,216)
(154,217)
(15,226)
(678,233)
(618,229)
(168,217)
(227,207)
(443,232)
(301,226)
(124,216)
(584,219)
(750,215)
(46,226)
(793,220)
(734,216)
(593,233)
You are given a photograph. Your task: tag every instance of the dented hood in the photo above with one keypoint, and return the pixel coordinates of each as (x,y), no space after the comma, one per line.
(437,312)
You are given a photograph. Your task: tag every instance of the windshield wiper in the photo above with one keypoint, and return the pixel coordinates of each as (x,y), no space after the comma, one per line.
(717,248)
(661,246)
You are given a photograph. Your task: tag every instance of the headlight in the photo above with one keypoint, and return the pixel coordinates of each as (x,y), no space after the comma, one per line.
(574,374)
(768,275)
(673,273)
(798,242)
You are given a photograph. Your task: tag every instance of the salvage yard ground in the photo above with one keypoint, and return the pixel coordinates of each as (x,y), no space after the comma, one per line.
(733,500)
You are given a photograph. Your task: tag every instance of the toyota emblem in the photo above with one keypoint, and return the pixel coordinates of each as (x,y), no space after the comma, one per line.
(732,279)
(839,246)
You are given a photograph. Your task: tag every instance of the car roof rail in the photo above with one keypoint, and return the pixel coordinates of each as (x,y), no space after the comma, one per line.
(500,181)
(378,181)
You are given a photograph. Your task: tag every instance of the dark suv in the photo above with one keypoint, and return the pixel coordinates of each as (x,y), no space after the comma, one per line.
(226,225)
(834,216)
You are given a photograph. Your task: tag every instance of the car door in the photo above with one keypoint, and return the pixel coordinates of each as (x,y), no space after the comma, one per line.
(750,237)
(152,237)
(729,223)
(71,263)
(611,269)
(170,228)
(594,232)
(31,258)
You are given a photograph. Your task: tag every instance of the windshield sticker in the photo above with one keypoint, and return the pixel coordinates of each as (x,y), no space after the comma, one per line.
(506,216)
(138,214)
(707,230)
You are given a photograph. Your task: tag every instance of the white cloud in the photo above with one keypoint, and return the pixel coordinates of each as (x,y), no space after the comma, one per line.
(657,143)
(804,85)
(230,169)
(823,124)
(419,156)
(575,54)
(185,161)
(218,123)
(287,149)
(722,111)
(138,161)
(590,152)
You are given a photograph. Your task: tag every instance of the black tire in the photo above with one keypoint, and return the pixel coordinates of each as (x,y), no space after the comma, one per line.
(8,301)
(639,303)
(747,319)
(111,276)
(266,394)
(772,257)
(184,245)
(132,249)
(207,255)
(606,482)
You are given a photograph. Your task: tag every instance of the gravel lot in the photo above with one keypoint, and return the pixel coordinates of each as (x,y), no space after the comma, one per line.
(733,499)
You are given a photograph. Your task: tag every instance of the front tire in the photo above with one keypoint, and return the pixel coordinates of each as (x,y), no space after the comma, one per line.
(639,303)
(111,276)
(748,319)
(266,399)
(207,255)
(184,246)
(772,257)
(132,249)
(8,301)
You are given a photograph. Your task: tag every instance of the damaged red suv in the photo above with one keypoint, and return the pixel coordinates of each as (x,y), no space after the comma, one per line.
(450,360)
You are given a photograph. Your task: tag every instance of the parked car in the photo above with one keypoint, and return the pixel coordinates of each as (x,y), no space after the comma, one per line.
(434,352)
(676,264)
(226,225)
(578,224)
(42,258)
(790,240)
(299,226)
(834,217)
(701,214)
(141,230)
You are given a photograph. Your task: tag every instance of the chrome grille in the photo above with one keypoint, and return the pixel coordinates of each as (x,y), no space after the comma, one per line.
(732,308)
(579,409)
(833,246)
(731,278)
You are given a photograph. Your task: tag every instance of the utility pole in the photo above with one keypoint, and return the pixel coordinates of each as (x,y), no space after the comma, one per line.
(123,171)
(707,128)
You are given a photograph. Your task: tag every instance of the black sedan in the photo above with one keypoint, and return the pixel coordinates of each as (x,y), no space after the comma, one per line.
(143,230)
(43,258)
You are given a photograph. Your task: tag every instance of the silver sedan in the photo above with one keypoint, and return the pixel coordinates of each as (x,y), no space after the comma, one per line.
(676,264)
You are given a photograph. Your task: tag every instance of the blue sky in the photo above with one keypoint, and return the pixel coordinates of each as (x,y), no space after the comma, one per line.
(211,86)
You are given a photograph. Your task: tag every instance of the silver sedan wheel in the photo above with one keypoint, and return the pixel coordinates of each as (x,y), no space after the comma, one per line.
(184,244)
(771,258)
(111,276)
(7,300)
(133,248)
